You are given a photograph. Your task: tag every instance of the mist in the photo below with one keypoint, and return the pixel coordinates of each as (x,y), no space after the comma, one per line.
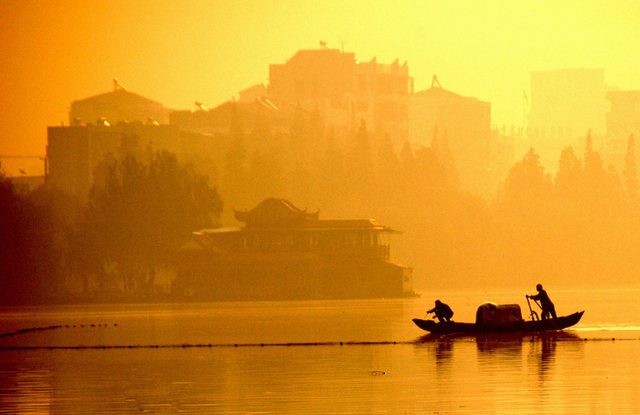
(505,157)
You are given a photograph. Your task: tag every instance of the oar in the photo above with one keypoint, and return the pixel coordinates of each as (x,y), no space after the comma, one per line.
(533,315)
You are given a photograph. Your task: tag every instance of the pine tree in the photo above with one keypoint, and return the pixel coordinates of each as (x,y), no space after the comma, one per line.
(569,176)
(630,173)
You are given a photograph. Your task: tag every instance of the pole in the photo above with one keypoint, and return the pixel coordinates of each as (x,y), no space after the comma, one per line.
(533,315)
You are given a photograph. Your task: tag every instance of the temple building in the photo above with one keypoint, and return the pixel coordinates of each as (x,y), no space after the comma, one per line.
(285,253)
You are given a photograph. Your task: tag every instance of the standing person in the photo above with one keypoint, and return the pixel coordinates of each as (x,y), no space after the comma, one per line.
(547,306)
(442,311)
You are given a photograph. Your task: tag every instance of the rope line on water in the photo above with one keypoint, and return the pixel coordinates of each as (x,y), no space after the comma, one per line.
(237,345)
(208,345)
(423,340)
(35,329)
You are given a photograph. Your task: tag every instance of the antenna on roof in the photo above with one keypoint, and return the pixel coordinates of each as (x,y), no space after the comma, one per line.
(201,106)
(323,44)
(117,85)
(435,81)
(343,41)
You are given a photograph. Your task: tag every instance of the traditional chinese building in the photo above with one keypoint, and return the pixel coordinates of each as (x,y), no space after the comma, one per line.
(284,253)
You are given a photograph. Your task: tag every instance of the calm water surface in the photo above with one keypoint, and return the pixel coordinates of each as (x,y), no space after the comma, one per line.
(321,357)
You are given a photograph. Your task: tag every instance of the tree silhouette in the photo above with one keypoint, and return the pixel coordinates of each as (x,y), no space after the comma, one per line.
(142,213)
(16,259)
(359,168)
(234,183)
(388,173)
(266,174)
(569,176)
(523,213)
(331,172)
(528,187)
(630,173)
(31,245)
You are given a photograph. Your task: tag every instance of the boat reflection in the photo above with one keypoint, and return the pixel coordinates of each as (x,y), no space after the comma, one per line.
(499,339)
(538,348)
(441,345)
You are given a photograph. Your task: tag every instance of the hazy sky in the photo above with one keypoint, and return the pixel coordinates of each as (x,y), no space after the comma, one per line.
(55,52)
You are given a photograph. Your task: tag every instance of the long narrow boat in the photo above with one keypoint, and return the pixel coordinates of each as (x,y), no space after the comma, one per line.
(451,327)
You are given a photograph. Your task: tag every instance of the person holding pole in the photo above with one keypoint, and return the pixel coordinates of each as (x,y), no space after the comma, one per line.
(548,309)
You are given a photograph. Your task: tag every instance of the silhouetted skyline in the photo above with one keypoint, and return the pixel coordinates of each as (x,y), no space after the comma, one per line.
(58,52)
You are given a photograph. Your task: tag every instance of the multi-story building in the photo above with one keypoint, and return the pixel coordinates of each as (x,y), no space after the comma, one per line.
(242,117)
(74,152)
(321,84)
(345,91)
(565,104)
(622,121)
(112,123)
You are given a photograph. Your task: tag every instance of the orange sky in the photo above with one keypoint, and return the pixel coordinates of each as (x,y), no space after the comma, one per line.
(55,52)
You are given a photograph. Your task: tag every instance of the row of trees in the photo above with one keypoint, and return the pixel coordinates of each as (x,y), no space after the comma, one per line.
(581,226)
(140,211)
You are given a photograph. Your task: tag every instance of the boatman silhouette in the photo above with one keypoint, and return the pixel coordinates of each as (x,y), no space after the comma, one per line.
(545,302)
(442,312)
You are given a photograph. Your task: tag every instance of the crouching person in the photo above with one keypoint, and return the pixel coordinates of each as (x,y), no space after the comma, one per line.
(442,312)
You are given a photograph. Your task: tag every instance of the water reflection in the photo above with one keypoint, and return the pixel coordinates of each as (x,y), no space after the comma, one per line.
(504,350)
(441,345)
(371,360)
(25,384)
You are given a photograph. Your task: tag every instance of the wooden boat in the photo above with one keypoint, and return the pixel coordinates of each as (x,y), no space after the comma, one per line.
(522,326)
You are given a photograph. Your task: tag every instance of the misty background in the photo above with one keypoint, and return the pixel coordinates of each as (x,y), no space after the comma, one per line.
(58,51)
(567,219)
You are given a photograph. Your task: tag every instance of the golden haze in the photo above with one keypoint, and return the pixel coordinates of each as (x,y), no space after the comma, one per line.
(56,52)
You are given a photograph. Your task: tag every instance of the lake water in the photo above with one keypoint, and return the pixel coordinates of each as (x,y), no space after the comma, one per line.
(318,357)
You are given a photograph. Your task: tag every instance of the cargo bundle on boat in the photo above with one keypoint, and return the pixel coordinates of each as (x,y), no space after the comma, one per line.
(285,253)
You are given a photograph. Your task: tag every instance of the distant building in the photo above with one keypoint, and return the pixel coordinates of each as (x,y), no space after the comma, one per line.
(73,153)
(461,123)
(284,253)
(233,117)
(568,100)
(114,123)
(565,104)
(119,105)
(252,93)
(345,91)
(622,121)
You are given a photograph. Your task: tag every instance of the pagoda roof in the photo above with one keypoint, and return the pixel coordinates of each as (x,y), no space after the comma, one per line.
(274,212)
